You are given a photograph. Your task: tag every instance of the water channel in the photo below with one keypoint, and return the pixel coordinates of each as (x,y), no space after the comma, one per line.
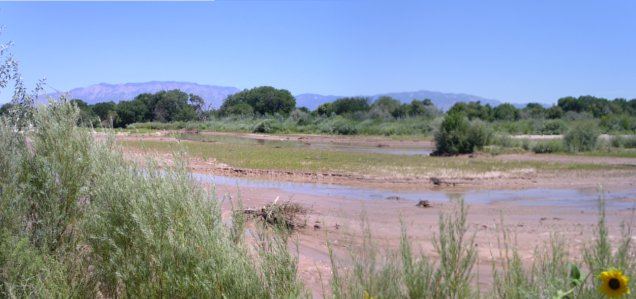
(585,199)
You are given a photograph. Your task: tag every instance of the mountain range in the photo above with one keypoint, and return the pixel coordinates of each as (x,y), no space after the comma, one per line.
(214,95)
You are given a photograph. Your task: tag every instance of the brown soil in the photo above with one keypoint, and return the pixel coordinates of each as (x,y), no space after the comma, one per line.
(338,220)
(503,180)
(343,140)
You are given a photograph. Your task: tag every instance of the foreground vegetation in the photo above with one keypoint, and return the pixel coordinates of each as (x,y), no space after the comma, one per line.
(555,272)
(78,220)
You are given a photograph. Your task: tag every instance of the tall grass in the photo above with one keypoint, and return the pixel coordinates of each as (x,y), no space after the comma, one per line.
(404,274)
(553,272)
(80,221)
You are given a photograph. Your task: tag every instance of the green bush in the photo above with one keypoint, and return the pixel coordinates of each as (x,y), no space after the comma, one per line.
(458,136)
(338,125)
(345,128)
(553,127)
(267,126)
(547,146)
(582,137)
(623,141)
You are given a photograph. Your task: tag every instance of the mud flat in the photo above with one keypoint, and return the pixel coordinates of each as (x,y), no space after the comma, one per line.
(335,216)
(537,196)
(340,162)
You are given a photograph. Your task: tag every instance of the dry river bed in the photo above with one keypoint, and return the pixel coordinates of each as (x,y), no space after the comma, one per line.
(336,216)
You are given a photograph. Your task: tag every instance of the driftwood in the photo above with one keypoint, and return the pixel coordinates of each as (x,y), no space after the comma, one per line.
(424,204)
(288,214)
(440,182)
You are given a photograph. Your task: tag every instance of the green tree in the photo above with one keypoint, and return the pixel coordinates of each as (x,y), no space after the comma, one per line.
(387,106)
(263,100)
(131,112)
(172,105)
(198,104)
(146,100)
(106,111)
(420,108)
(243,109)
(533,110)
(87,116)
(554,112)
(351,105)
(506,111)
(457,136)
(325,109)
(473,110)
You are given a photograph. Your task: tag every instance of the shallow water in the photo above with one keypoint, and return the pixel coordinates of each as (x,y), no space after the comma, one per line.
(576,198)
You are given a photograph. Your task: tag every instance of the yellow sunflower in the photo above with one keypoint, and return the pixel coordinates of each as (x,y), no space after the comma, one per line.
(613,283)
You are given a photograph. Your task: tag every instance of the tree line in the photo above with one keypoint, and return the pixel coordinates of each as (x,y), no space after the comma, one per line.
(163,106)
(176,105)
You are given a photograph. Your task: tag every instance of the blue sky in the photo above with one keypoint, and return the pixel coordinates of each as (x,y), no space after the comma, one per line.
(508,50)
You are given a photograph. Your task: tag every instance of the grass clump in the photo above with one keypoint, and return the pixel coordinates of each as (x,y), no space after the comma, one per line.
(403,274)
(554,273)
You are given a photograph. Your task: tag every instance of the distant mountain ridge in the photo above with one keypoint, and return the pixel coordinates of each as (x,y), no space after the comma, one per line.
(214,95)
(104,92)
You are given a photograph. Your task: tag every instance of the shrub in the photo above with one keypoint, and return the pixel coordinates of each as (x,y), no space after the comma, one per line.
(623,141)
(267,126)
(78,220)
(300,117)
(457,136)
(504,140)
(553,127)
(582,137)
(344,127)
(337,125)
(547,146)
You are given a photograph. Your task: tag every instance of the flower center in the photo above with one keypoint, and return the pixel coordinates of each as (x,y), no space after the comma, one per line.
(614,284)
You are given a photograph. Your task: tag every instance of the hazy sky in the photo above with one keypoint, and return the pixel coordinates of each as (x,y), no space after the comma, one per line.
(507,50)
